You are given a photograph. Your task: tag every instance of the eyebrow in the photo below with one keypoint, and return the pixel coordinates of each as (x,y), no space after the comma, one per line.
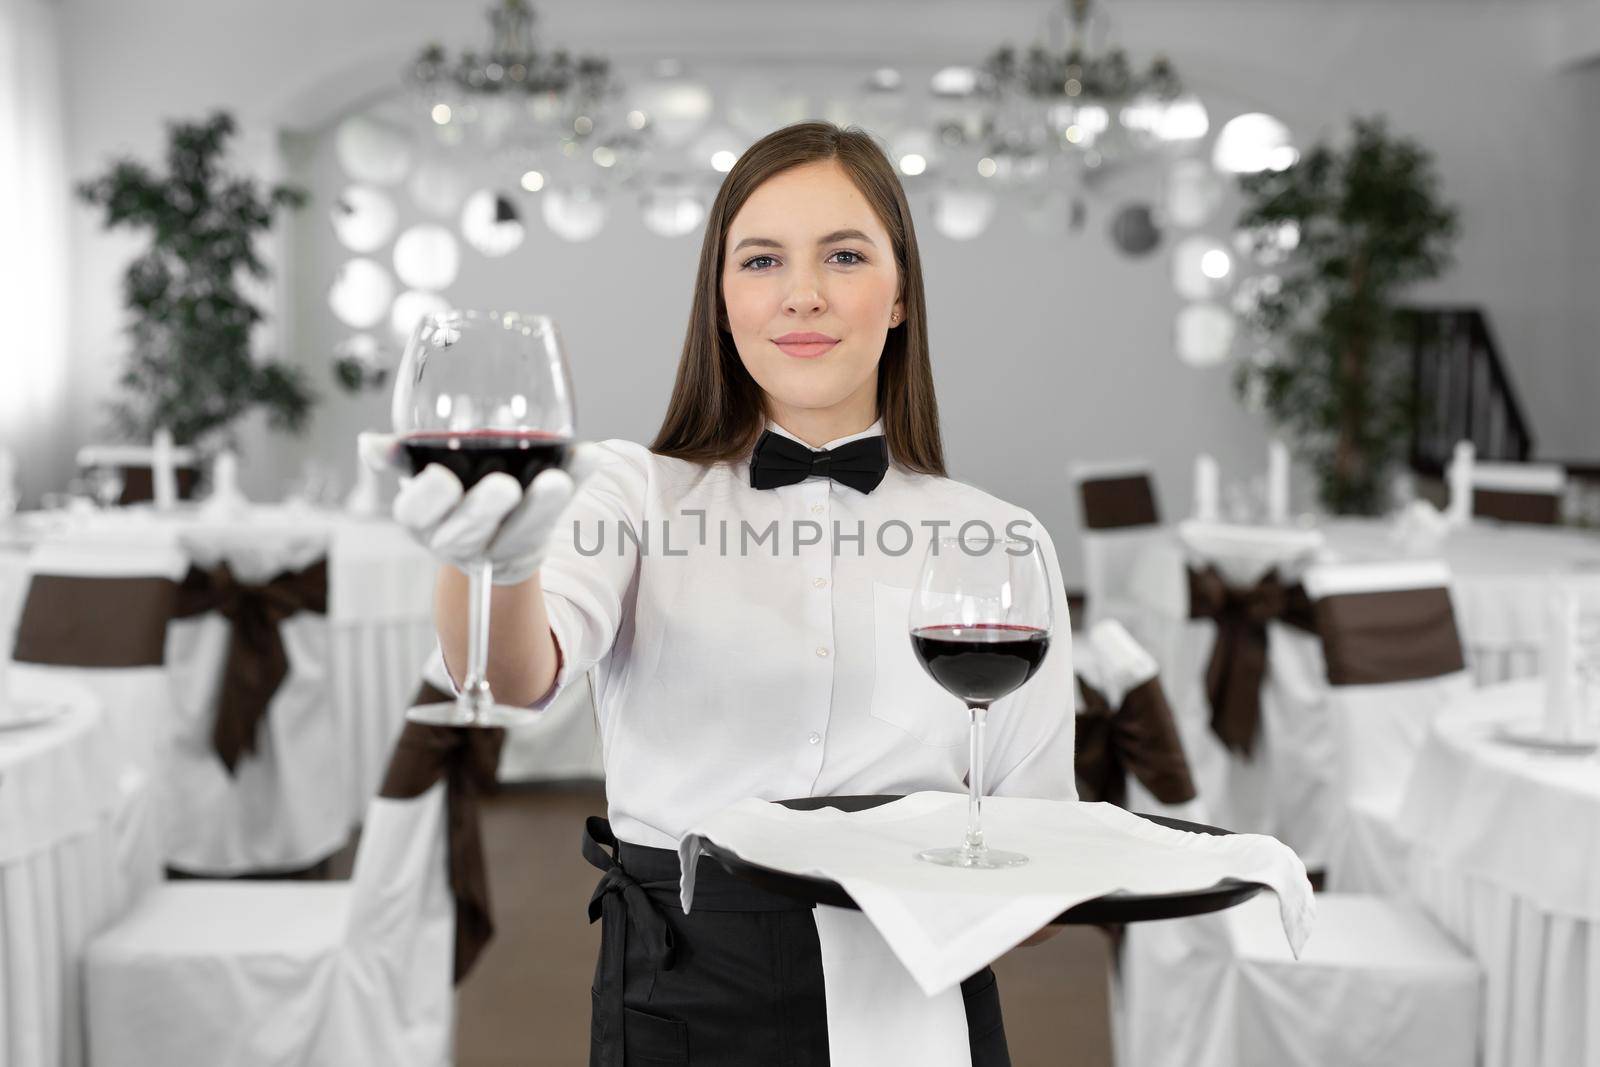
(825,239)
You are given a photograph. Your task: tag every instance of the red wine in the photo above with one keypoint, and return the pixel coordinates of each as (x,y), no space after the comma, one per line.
(982,663)
(472,454)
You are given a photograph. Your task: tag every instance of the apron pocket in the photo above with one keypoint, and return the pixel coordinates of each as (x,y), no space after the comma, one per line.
(653,1041)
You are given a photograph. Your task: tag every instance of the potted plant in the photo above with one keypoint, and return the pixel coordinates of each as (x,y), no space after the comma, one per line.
(191,369)
(1369,222)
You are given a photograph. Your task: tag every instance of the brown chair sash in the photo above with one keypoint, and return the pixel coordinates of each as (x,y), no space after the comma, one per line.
(467,758)
(1396,635)
(257,662)
(1239,657)
(77,621)
(1112,503)
(138,483)
(1139,738)
(1511,506)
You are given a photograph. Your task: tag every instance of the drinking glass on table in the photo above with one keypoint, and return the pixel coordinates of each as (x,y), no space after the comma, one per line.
(480,392)
(981,617)
(105,482)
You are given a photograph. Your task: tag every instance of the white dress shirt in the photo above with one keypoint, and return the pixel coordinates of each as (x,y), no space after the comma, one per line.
(725,671)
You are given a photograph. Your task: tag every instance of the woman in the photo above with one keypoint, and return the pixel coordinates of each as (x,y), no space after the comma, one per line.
(745,615)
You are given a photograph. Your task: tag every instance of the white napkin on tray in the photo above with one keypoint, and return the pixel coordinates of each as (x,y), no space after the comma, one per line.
(945,923)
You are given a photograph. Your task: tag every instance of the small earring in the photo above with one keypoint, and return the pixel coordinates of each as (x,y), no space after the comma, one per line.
(894,316)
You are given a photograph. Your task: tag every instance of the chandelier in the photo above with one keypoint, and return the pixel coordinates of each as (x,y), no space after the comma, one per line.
(488,143)
(1013,118)
(514,91)
(1095,106)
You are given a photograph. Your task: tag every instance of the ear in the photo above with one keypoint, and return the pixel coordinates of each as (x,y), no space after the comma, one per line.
(897,314)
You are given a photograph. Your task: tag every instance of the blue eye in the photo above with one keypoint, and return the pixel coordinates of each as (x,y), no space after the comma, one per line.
(750,264)
(856,257)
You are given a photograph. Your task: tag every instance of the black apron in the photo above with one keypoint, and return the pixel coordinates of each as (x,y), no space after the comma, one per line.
(737,982)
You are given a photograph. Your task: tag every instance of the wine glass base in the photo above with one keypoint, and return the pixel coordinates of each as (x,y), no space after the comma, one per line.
(990,859)
(453,714)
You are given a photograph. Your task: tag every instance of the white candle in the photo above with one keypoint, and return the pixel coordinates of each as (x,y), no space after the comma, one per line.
(8,474)
(1459,478)
(225,475)
(163,478)
(363,499)
(1277,483)
(1561,664)
(1206,492)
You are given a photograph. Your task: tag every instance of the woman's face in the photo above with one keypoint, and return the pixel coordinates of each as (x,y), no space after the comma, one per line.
(809,283)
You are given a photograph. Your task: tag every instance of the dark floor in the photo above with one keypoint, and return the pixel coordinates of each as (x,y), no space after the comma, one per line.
(527,1002)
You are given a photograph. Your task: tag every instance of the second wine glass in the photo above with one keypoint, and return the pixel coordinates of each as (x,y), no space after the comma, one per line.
(980,622)
(480,392)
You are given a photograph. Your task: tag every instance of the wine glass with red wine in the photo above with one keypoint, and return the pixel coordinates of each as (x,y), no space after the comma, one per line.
(481,392)
(980,625)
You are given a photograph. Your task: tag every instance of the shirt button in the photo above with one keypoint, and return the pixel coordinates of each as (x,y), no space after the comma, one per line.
(819,583)
(817,509)
(822,652)
(815,739)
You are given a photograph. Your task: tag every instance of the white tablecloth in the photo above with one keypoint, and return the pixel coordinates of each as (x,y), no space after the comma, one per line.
(1506,854)
(74,853)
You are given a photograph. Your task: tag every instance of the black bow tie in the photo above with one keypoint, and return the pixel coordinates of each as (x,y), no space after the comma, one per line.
(779,460)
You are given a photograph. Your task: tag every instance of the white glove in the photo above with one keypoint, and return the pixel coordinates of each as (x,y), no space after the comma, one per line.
(497,521)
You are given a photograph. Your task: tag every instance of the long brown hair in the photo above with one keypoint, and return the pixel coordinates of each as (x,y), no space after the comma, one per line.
(716,411)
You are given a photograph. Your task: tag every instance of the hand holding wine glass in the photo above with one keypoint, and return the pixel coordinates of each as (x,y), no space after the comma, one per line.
(494,519)
(980,625)
(483,418)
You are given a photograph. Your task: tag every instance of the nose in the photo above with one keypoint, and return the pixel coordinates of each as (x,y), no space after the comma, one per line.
(805,298)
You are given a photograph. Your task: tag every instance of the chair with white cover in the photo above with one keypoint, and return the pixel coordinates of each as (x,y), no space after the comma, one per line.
(1518,492)
(245,973)
(1379,983)
(95,616)
(1391,662)
(258,779)
(1119,516)
(1128,750)
(1242,592)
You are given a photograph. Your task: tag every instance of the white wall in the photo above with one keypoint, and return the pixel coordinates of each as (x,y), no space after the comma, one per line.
(1044,350)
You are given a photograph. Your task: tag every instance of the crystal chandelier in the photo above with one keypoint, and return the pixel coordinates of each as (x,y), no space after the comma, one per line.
(1092,105)
(514,92)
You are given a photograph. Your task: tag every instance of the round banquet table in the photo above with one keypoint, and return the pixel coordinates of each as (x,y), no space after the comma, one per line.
(1114,908)
(75,852)
(1505,853)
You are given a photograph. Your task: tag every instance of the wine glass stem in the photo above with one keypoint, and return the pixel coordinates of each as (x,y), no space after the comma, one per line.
(974,845)
(475,695)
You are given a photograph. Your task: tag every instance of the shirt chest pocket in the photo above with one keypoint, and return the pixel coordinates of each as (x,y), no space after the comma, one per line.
(902,693)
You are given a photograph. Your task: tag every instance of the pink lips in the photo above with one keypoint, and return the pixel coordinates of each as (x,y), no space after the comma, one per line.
(805,345)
